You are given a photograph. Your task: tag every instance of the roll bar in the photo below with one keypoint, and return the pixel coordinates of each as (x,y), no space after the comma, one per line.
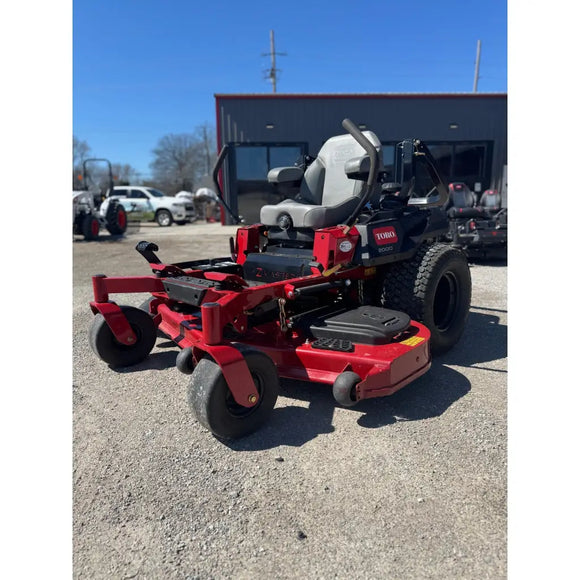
(373,171)
(216,169)
(418,149)
(87,176)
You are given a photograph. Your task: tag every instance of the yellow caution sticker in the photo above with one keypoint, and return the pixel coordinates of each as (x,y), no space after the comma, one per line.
(413,341)
(332,270)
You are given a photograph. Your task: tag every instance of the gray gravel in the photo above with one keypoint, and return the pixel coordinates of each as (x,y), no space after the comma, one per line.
(407,486)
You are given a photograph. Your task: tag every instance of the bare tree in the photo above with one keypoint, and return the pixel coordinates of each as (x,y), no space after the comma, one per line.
(124,174)
(81,152)
(183,161)
(174,163)
(206,135)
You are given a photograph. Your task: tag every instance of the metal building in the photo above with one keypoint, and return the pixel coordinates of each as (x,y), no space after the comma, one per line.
(466,132)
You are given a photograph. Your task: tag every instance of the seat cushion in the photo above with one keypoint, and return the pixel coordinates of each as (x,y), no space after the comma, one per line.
(304,215)
(327,196)
(465,212)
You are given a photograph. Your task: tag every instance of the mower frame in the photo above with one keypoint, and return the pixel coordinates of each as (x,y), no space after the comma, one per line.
(383,369)
(263,299)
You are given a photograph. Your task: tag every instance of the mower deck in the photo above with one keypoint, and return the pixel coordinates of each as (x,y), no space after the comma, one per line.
(215,314)
(383,368)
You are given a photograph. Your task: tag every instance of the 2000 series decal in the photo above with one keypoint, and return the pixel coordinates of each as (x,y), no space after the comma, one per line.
(386,235)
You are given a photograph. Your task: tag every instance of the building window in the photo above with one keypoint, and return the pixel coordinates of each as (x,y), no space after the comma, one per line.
(443,155)
(389,159)
(284,156)
(251,162)
(468,162)
(424,183)
(254,161)
(250,165)
(463,161)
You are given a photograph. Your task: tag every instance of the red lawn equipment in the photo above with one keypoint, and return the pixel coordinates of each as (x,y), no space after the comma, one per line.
(478,227)
(344,284)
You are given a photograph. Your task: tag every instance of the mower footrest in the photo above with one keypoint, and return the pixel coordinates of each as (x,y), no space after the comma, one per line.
(188,289)
(333,344)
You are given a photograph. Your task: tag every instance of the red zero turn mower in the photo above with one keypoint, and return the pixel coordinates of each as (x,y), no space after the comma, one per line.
(344,284)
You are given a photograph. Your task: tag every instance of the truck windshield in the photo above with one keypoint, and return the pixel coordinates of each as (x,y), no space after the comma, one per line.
(155,192)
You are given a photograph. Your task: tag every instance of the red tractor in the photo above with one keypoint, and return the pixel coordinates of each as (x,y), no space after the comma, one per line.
(345,283)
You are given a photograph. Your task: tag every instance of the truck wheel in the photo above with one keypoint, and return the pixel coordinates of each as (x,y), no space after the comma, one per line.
(116,219)
(344,388)
(214,405)
(90,227)
(110,350)
(163,218)
(433,288)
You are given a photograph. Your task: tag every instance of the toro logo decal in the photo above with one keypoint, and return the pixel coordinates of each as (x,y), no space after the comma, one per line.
(386,235)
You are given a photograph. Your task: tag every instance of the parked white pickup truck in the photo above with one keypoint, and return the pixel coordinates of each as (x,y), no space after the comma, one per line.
(149,204)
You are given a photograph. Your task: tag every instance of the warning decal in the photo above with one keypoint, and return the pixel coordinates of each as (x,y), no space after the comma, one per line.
(413,341)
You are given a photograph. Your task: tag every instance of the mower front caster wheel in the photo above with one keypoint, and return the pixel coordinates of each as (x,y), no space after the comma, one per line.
(116,354)
(344,388)
(214,405)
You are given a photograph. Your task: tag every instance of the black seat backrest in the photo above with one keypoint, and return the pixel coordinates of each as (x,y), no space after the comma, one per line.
(461,196)
(490,200)
(461,202)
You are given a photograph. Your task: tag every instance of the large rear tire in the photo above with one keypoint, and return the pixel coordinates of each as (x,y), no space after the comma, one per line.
(433,288)
(213,403)
(116,219)
(90,227)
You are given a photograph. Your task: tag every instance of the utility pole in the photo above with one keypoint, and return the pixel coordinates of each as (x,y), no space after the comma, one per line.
(272,73)
(477,58)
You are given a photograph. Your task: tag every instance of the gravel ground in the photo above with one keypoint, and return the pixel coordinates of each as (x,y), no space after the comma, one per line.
(407,486)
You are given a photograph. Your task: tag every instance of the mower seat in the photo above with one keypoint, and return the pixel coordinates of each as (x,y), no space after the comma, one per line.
(327,196)
(462,204)
(490,201)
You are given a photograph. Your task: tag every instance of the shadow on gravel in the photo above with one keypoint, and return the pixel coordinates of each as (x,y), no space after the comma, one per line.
(157,361)
(492,262)
(101,239)
(293,426)
(429,396)
(483,340)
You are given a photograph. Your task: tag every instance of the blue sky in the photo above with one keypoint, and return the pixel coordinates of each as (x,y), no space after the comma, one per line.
(143,69)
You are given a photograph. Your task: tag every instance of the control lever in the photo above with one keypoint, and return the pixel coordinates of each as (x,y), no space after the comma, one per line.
(147,250)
